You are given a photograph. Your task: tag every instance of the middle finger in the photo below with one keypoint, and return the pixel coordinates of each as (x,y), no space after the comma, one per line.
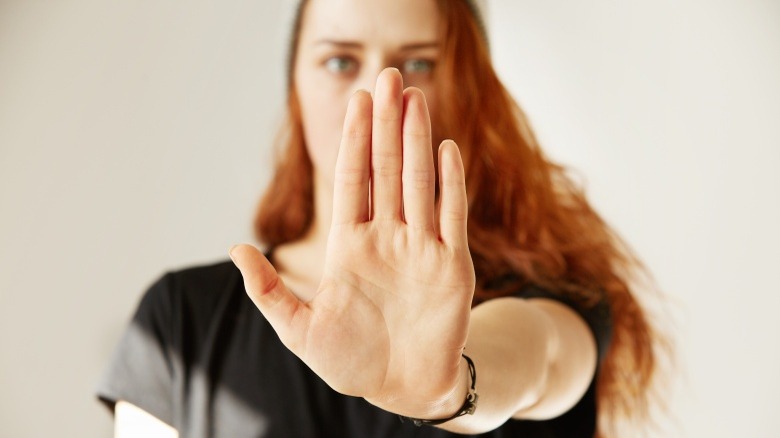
(386,155)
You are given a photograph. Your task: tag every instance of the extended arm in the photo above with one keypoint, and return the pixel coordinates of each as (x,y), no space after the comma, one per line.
(392,314)
(534,360)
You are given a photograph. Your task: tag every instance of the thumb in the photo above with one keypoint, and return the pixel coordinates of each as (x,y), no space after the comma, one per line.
(288,315)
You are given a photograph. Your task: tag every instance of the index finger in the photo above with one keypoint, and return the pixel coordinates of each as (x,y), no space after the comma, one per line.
(350,186)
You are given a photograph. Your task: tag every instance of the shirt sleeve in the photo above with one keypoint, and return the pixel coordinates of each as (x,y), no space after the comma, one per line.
(140,370)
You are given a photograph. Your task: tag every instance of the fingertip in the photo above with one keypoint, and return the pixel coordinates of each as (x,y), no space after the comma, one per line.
(361,102)
(390,79)
(448,142)
(449,148)
(410,92)
(243,254)
(414,98)
(357,119)
(416,111)
(443,146)
(236,253)
(361,93)
(239,248)
(391,71)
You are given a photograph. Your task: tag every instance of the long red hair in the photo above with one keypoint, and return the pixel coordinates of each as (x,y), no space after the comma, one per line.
(526,215)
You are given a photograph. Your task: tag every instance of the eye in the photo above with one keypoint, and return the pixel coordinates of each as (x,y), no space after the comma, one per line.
(340,64)
(418,66)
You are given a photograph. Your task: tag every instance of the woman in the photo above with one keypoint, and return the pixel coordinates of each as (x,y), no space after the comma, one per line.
(396,274)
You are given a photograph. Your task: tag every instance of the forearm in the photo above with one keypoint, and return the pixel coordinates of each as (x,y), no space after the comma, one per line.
(512,368)
(534,360)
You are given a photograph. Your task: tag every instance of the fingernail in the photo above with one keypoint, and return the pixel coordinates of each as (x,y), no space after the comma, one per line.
(230,252)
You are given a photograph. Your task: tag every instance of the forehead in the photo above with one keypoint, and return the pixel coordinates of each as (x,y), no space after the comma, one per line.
(389,22)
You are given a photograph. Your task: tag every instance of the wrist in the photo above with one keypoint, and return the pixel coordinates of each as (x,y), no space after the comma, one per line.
(451,402)
(466,405)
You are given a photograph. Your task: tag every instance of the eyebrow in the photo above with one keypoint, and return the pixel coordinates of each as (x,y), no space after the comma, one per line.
(357,45)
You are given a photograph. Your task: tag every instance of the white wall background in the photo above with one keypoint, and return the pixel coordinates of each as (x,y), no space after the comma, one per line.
(134,138)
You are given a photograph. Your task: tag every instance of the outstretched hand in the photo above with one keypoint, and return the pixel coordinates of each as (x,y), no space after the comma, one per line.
(391,315)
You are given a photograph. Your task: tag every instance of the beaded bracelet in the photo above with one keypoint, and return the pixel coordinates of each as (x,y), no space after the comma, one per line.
(469,405)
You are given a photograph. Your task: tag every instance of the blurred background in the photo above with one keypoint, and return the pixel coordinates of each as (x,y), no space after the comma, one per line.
(135,138)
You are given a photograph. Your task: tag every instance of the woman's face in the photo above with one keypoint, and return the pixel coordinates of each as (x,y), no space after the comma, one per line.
(342,47)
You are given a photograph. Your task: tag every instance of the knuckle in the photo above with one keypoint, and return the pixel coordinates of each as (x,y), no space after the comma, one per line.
(454,183)
(350,176)
(386,162)
(417,134)
(385,169)
(455,214)
(388,153)
(356,133)
(419,178)
(388,113)
(270,286)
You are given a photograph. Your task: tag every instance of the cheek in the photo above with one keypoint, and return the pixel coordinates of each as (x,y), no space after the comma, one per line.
(323,111)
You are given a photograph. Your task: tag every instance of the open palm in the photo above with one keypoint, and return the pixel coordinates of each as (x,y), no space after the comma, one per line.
(390,318)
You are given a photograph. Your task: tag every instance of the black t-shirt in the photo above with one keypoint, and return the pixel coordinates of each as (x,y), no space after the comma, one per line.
(199,356)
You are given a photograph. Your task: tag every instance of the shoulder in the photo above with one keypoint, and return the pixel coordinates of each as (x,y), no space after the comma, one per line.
(198,278)
(203,277)
(189,289)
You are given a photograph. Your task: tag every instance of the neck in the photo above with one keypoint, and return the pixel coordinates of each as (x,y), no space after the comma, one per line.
(316,238)
(302,260)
